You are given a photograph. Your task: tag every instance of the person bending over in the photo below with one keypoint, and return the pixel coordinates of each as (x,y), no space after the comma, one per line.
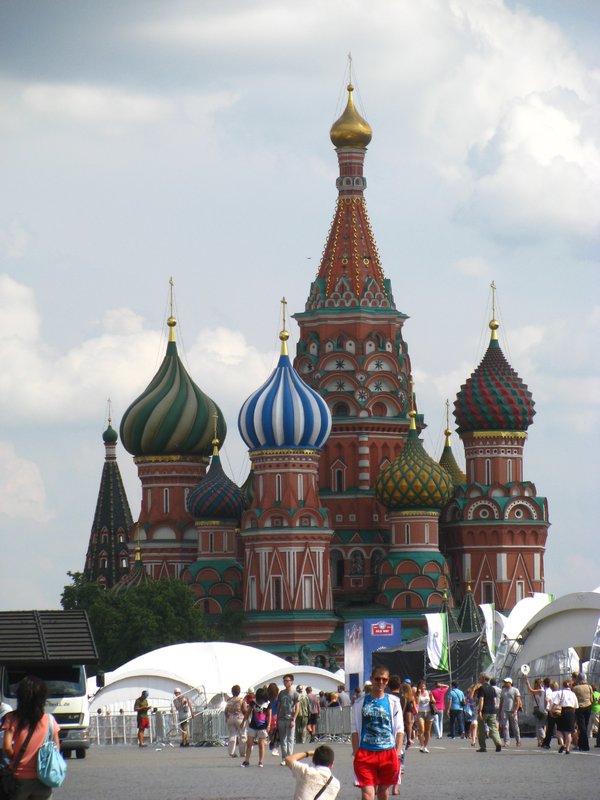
(316,780)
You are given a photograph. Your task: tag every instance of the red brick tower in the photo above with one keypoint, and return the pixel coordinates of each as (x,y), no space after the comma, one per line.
(352,352)
(494,530)
(287,587)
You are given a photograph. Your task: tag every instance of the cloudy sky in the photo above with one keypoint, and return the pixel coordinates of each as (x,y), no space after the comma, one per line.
(141,140)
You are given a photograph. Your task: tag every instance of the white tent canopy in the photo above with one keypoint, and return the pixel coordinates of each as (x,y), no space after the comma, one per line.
(558,629)
(205,671)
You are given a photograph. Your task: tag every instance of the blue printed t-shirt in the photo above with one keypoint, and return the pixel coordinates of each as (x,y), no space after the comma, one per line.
(376,732)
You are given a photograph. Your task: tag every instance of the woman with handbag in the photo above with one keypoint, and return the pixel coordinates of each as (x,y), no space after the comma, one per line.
(471,713)
(26,730)
(538,692)
(566,700)
(426,710)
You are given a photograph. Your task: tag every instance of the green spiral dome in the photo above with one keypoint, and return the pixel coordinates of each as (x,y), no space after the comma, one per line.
(414,481)
(172,416)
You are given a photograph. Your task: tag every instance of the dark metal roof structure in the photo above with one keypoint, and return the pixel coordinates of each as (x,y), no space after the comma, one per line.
(46,637)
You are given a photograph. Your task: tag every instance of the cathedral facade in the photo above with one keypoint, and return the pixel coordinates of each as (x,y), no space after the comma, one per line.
(344,514)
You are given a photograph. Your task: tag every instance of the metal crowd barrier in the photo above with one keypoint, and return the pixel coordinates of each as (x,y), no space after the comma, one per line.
(207,728)
(334,724)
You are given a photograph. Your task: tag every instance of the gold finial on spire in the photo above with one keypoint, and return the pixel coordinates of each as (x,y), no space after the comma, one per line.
(447,432)
(284,335)
(494,324)
(215,441)
(350,130)
(109,403)
(412,413)
(171,322)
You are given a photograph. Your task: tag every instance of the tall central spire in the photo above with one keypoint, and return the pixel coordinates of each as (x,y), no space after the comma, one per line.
(350,273)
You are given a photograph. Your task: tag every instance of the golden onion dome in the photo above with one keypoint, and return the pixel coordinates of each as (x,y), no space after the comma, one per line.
(350,130)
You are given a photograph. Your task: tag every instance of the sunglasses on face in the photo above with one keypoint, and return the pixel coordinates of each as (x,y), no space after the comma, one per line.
(380,680)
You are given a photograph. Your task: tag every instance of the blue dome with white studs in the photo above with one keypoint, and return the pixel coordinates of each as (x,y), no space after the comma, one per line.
(284,413)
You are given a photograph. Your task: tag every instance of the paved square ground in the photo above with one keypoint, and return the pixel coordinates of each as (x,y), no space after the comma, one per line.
(452,771)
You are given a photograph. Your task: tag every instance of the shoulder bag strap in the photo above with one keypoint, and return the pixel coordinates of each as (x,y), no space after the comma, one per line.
(322,789)
(14,765)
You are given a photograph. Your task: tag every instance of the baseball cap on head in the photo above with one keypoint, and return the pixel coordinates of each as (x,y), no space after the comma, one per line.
(177,690)
(508,680)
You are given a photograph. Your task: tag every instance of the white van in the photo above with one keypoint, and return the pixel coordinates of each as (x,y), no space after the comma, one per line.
(54,646)
(67,700)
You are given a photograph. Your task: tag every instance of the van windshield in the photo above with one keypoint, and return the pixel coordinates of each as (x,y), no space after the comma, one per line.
(63,681)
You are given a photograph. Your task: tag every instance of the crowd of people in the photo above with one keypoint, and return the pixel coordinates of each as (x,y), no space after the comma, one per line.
(278,720)
(388,716)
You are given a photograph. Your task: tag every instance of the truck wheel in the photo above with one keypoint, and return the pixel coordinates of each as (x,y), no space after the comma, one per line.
(66,754)
(80,752)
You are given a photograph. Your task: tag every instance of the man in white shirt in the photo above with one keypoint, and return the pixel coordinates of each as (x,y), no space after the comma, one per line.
(314,781)
(510,705)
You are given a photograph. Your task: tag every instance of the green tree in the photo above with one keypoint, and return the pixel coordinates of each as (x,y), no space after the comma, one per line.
(80,593)
(230,625)
(139,619)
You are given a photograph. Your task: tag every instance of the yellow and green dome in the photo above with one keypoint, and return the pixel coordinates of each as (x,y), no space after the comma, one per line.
(414,481)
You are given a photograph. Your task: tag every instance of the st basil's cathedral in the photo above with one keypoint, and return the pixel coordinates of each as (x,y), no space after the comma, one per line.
(344,514)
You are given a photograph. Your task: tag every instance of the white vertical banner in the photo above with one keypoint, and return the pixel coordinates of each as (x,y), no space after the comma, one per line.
(488,617)
(437,641)
(593,675)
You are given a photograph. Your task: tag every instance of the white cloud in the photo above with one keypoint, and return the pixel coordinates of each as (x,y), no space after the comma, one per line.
(262,24)
(22,490)
(19,317)
(122,320)
(38,385)
(93,104)
(114,109)
(524,147)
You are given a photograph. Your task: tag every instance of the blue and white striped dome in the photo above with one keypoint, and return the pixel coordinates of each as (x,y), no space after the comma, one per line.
(284,413)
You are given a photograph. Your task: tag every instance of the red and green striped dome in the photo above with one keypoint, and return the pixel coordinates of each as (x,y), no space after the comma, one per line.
(494,398)
(414,481)
(216,497)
